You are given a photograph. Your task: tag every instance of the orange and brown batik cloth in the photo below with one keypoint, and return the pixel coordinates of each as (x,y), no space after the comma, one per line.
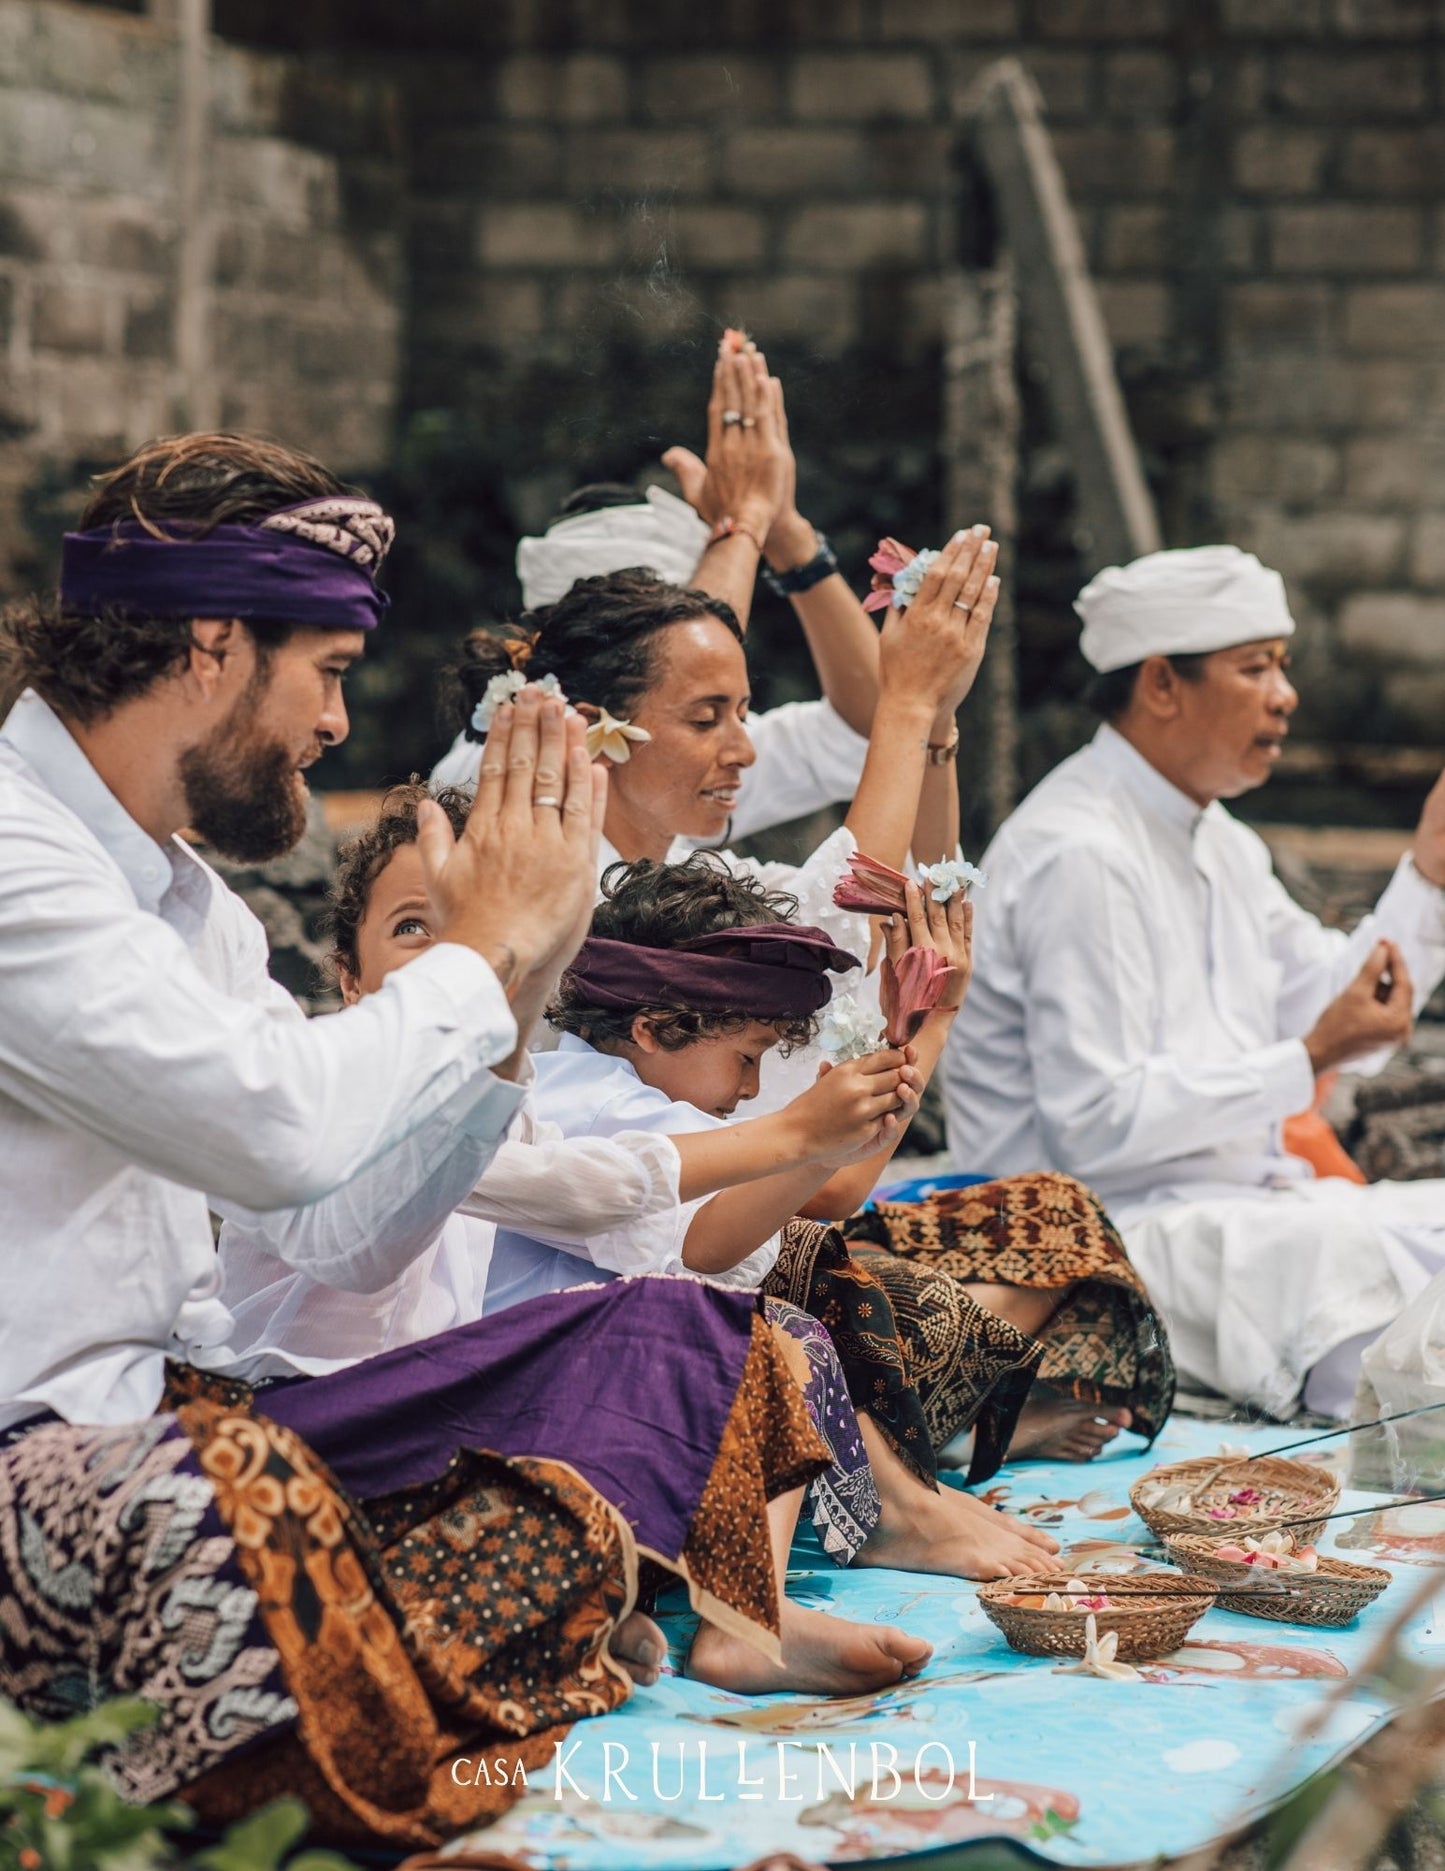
(1106,1344)
(295,1641)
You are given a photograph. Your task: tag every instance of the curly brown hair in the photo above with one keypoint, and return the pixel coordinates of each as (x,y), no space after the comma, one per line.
(86,666)
(362,859)
(664,906)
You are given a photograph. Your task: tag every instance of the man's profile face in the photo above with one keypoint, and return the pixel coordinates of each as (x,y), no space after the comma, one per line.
(244,782)
(1233,720)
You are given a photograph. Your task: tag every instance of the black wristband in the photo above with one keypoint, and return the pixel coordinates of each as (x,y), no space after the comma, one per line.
(800,578)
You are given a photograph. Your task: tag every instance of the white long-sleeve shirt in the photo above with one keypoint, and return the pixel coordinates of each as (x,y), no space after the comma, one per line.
(589,1095)
(147,1060)
(807,757)
(1142,984)
(608,1198)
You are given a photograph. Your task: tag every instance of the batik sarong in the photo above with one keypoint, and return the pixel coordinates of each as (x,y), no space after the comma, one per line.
(356,1648)
(843,1501)
(1105,1344)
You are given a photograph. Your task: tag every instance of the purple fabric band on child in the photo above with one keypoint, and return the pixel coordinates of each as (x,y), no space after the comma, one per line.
(772,971)
(233,571)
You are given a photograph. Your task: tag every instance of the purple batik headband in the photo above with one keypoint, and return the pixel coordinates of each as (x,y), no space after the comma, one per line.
(313,564)
(772,971)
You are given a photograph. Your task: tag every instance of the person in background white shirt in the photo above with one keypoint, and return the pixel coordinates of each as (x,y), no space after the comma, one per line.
(1149,1006)
(808,754)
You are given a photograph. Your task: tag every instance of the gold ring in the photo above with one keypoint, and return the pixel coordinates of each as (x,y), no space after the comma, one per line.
(750,422)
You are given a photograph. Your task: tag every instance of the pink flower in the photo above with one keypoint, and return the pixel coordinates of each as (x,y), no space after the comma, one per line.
(909,991)
(873,888)
(1246,1497)
(887,562)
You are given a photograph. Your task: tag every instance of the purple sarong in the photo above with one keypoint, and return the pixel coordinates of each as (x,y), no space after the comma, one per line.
(631,1383)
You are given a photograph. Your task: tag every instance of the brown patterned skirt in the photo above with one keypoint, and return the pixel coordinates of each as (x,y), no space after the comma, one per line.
(1106,1344)
(297,1642)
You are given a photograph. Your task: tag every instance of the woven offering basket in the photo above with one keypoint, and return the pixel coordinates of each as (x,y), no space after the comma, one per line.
(1290,1491)
(1335,1593)
(1151,1622)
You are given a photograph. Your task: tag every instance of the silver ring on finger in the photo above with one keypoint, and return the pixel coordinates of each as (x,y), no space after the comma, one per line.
(731,418)
(959,605)
(547,799)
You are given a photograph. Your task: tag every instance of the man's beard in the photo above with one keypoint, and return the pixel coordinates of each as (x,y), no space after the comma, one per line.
(244,796)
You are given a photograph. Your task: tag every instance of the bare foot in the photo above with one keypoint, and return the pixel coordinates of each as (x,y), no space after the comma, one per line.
(822,1656)
(1053,1427)
(952,1533)
(640,1647)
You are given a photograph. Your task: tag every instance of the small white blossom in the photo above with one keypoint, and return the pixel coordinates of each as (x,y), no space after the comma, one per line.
(950,876)
(849,1031)
(610,736)
(1100,1657)
(907,581)
(506,688)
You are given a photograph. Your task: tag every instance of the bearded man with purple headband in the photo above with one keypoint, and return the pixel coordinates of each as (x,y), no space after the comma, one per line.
(285,1568)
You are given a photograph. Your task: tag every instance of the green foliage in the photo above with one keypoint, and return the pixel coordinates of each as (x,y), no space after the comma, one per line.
(60,1812)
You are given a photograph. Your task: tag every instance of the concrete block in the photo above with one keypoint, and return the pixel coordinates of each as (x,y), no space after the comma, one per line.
(861,234)
(80,146)
(581,87)
(1402,321)
(1270,160)
(713,236)
(7,315)
(938,20)
(1394,162)
(85,52)
(1385,19)
(820,311)
(1417,701)
(548,234)
(855,86)
(775,161)
(1136,311)
(1108,160)
(1101,19)
(1386,471)
(1290,472)
(732,86)
(1067,78)
(639,162)
(1352,86)
(149,327)
(1326,552)
(1140,84)
(1259,315)
(1274,19)
(516,161)
(1394,626)
(1336,237)
(1135,238)
(72,317)
(1427,551)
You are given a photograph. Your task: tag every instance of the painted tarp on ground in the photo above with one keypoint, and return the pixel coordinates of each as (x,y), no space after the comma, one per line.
(986,1743)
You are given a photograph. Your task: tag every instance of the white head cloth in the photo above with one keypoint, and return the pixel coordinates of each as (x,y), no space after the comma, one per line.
(661,532)
(1179,604)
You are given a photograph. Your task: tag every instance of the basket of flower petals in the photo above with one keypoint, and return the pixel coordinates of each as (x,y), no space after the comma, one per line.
(1230,1496)
(1057,1614)
(1297,1585)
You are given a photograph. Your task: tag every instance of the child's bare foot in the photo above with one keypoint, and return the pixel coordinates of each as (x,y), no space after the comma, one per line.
(822,1656)
(640,1647)
(952,1533)
(1053,1427)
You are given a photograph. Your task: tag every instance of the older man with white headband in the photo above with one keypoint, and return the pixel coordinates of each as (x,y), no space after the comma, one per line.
(1149,1006)
(809,754)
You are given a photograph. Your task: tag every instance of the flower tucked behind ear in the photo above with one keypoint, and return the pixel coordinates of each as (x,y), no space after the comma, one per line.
(607,735)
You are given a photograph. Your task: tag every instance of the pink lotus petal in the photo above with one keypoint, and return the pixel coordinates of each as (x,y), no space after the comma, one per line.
(909,990)
(877,600)
(871,888)
(891,556)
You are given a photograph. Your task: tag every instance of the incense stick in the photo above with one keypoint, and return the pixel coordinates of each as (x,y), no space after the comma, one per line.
(1346,1429)
(1353,1513)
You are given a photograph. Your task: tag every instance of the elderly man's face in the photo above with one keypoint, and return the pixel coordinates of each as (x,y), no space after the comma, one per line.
(1232,721)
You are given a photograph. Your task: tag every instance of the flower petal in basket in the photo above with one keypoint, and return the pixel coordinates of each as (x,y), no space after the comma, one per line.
(1224,1495)
(1334,1593)
(1152,1613)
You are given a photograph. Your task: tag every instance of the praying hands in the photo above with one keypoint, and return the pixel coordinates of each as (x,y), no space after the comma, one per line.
(517,886)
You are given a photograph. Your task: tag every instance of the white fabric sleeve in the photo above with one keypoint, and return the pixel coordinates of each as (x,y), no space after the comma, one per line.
(107,1025)
(1318,963)
(1109,1102)
(807,757)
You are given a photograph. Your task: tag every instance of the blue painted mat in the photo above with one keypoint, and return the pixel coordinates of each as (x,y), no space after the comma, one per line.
(986,1744)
